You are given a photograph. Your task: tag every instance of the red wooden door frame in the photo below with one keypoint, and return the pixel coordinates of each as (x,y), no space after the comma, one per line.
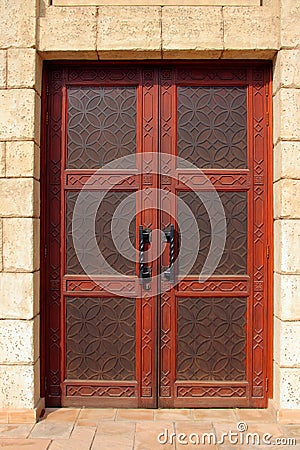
(258,77)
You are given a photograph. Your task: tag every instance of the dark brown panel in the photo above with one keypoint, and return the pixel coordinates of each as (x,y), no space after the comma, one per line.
(100,338)
(212,126)
(89,201)
(211,342)
(234,257)
(101,125)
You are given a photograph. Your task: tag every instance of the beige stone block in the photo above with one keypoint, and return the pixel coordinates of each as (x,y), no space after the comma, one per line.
(68,29)
(21,245)
(287,199)
(289,416)
(287,160)
(17,197)
(192,54)
(129,28)
(21,67)
(251,28)
(17,114)
(22,159)
(287,69)
(289,388)
(17,386)
(157,2)
(71,55)
(1,244)
(290,30)
(18,20)
(19,341)
(287,294)
(287,114)
(2,68)
(287,246)
(19,293)
(2,159)
(192,28)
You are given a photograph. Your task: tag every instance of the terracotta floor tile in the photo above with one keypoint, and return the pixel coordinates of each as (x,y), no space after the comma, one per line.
(146,436)
(28,444)
(255,415)
(114,436)
(219,415)
(135,414)
(51,430)
(15,431)
(3,417)
(95,414)
(291,431)
(289,417)
(60,415)
(173,414)
(83,433)
(87,423)
(69,444)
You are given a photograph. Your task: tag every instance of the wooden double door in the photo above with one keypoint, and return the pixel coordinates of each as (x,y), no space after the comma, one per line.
(156,235)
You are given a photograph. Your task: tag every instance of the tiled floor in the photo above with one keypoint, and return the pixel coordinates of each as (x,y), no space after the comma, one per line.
(132,429)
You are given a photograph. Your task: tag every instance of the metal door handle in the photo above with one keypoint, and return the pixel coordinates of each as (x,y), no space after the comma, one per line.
(170,238)
(144,271)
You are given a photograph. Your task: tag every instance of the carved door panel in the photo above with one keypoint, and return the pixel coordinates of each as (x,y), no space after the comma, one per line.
(214,342)
(156,176)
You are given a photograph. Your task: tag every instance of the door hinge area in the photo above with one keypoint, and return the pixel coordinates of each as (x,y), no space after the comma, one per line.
(45,251)
(267,384)
(47,118)
(267,118)
(268,251)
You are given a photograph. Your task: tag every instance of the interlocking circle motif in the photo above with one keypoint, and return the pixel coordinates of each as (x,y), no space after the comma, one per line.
(84,236)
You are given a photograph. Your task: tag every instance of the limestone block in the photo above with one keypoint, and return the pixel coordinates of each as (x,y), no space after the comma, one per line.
(129,28)
(17,387)
(1,244)
(68,29)
(2,159)
(287,294)
(287,114)
(17,197)
(156,2)
(192,28)
(287,199)
(17,114)
(21,245)
(18,20)
(21,67)
(287,160)
(19,293)
(254,27)
(290,30)
(22,159)
(287,246)
(289,388)
(2,68)
(289,335)
(19,342)
(287,69)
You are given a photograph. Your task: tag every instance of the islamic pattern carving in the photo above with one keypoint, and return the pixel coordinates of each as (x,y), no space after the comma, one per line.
(101,125)
(234,257)
(84,219)
(100,338)
(212,126)
(211,339)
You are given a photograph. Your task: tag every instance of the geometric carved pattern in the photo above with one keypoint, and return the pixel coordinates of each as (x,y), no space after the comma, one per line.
(101,125)
(211,391)
(103,218)
(234,257)
(100,391)
(100,338)
(211,339)
(212,126)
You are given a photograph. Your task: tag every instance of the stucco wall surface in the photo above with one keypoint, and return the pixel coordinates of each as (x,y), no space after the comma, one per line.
(32,30)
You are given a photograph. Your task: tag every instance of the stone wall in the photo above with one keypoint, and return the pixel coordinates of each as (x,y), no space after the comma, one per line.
(31,31)
(286,101)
